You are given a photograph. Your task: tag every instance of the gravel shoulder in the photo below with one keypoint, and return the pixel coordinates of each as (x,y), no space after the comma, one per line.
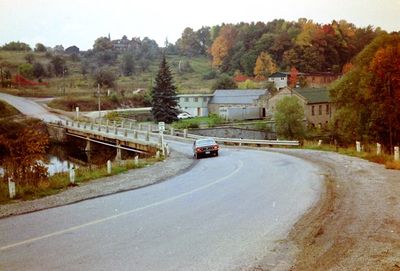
(175,164)
(355,225)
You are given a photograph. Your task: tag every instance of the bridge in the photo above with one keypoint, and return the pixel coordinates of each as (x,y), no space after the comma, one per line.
(137,138)
(140,138)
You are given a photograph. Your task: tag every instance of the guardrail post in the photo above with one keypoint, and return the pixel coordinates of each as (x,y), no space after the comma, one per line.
(167,150)
(135,134)
(147,136)
(136,160)
(126,132)
(116,130)
(396,154)
(109,167)
(72,175)
(118,157)
(158,155)
(185,132)
(84,125)
(107,129)
(378,149)
(99,128)
(11,188)
(358,146)
(123,123)
(172,130)
(66,123)
(78,124)
(91,126)
(72,123)
(130,125)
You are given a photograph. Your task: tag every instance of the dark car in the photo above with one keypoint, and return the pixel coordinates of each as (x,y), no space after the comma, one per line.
(205,146)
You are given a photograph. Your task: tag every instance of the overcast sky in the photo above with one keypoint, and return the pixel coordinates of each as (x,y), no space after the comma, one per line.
(80,22)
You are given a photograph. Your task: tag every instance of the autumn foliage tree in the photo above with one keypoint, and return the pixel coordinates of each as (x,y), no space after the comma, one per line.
(264,66)
(293,77)
(368,96)
(22,148)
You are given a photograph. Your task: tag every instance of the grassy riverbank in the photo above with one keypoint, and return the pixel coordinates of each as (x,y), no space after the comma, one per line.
(60,182)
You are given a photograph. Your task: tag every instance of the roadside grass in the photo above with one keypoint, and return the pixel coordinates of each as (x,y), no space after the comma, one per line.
(211,121)
(60,182)
(7,110)
(369,154)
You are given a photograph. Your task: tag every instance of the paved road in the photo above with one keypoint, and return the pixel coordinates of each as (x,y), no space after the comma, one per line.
(225,213)
(29,108)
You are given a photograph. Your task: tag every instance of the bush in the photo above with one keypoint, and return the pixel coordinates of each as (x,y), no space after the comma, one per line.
(210,75)
(224,82)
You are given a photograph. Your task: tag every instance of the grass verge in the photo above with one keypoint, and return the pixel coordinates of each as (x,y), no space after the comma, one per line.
(60,182)
(370,155)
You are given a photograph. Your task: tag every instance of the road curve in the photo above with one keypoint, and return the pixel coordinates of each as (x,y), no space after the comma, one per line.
(29,108)
(223,214)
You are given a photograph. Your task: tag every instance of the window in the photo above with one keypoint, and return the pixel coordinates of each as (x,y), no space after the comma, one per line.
(282,78)
(205,99)
(312,111)
(320,109)
(186,99)
(196,99)
(327,109)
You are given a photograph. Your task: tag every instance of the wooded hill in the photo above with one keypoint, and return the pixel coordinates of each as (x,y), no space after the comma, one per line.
(197,58)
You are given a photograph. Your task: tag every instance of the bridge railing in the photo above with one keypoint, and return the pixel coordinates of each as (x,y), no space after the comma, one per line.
(151,130)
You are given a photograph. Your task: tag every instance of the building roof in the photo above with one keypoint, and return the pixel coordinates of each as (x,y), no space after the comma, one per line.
(314,95)
(195,95)
(237,96)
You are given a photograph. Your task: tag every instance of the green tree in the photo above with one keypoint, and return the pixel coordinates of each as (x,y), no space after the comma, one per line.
(164,102)
(264,66)
(224,82)
(39,47)
(59,66)
(128,67)
(29,58)
(105,77)
(289,118)
(38,70)
(16,46)
(26,70)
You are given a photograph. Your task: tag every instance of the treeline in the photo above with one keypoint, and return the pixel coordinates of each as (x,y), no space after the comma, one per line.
(368,96)
(309,46)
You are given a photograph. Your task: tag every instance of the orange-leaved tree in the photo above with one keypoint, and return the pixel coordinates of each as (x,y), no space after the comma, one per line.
(23,153)
(293,77)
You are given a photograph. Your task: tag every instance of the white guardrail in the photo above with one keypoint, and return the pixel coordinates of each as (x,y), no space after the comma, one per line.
(151,129)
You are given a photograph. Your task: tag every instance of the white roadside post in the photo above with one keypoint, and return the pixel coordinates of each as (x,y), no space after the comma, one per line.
(11,188)
(358,146)
(77,113)
(72,175)
(396,154)
(161,129)
(136,160)
(319,143)
(108,167)
(378,149)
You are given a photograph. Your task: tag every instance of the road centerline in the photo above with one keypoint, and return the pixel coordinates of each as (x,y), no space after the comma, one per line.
(98,221)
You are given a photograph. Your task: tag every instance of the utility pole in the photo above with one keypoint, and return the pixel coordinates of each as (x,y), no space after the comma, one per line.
(98,99)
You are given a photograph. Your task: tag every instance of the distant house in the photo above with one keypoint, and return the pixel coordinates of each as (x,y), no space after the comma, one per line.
(194,104)
(318,108)
(238,103)
(313,80)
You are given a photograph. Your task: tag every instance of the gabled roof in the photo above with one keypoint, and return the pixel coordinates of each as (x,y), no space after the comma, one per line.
(237,96)
(314,95)
(279,74)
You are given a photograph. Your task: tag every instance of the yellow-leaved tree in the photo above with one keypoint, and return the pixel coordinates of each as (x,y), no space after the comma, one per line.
(264,66)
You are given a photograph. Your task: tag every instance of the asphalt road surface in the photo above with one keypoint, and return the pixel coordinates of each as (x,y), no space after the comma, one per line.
(224,213)
(29,108)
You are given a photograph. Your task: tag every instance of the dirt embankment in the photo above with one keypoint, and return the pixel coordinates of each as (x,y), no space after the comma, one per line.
(356,225)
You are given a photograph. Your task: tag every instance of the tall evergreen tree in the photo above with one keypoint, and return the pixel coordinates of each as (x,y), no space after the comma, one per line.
(164,101)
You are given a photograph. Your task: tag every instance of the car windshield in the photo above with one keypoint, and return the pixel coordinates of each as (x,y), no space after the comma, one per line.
(205,142)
